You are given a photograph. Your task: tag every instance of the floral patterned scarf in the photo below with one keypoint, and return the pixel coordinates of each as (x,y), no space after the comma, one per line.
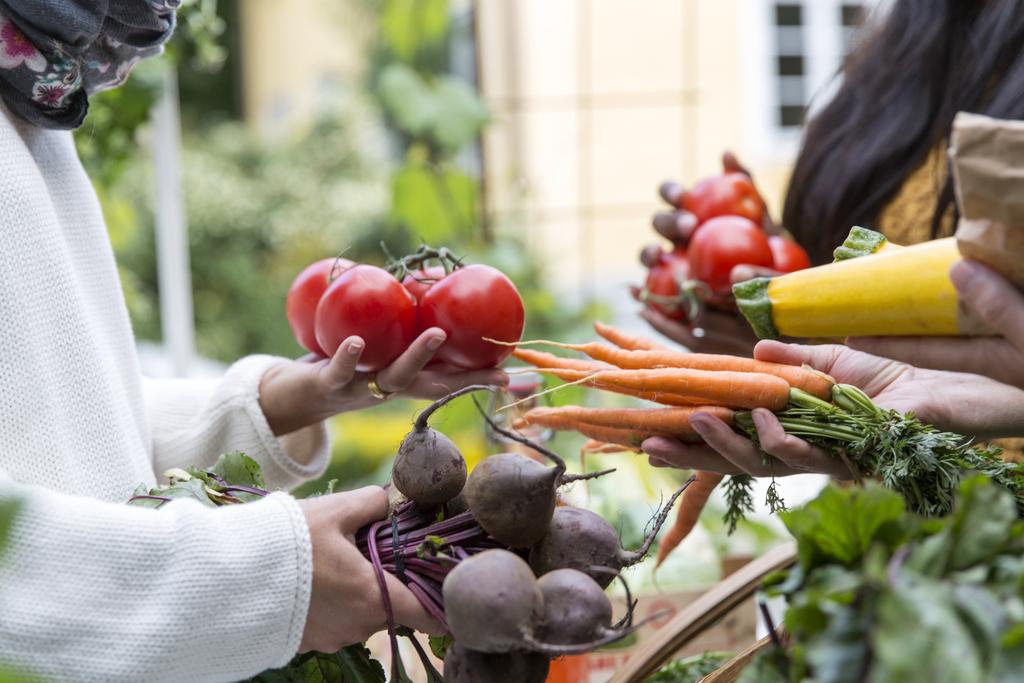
(55,53)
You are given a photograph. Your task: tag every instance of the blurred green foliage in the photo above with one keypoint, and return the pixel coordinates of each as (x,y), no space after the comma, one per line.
(259,210)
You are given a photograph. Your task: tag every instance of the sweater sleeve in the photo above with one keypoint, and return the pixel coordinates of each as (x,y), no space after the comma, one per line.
(96,591)
(194,421)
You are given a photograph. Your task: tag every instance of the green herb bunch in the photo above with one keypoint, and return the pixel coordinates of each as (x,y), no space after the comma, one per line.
(922,463)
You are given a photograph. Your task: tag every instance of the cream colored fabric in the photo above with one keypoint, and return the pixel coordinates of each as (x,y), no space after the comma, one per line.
(91,589)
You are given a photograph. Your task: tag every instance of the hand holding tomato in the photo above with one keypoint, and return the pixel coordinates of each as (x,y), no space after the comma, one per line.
(363,323)
(742,243)
(296,394)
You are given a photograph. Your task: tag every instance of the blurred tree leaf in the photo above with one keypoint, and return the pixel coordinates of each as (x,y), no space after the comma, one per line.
(409,28)
(407,99)
(461,115)
(434,203)
(445,113)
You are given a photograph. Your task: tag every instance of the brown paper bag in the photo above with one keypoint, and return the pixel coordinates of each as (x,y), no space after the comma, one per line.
(987,157)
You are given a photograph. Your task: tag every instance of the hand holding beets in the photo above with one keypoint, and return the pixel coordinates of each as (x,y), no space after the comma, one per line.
(343,580)
(467,566)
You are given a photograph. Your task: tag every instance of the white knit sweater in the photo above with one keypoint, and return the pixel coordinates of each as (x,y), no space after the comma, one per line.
(91,589)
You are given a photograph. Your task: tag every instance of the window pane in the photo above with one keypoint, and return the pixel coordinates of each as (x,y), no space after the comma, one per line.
(791,66)
(791,116)
(852,14)
(791,90)
(789,40)
(789,14)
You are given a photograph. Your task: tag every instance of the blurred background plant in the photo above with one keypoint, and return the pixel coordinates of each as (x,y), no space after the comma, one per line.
(260,208)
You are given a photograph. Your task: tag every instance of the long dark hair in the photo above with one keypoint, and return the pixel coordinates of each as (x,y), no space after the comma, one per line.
(908,75)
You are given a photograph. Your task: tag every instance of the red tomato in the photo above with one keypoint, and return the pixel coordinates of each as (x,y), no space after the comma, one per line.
(419,281)
(472,303)
(663,284)
(729,194)
(368,302)
(304,295)
(787,254)
(724,243)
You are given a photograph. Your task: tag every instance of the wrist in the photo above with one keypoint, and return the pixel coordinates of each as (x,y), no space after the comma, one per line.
(287,398)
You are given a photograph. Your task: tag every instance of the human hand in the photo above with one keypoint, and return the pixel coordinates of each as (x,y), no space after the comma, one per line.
(297,394)
(345,606)
(966,404)
(677,225)
(711,331)
(995,301)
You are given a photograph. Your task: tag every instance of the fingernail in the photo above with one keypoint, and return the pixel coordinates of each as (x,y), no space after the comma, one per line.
(434,343)
(759,420)
(700,424)
(355,347)
(963,272)
(742,274)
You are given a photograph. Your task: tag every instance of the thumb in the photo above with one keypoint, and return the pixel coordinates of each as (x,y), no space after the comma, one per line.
(361,507)
(992,297)
(744,272)
(340,370)
(408,609)
(820,356)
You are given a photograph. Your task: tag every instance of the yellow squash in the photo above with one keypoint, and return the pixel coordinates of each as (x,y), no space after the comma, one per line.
(895,291)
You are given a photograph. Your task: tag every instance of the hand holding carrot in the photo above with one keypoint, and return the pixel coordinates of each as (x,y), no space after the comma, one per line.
(967,404)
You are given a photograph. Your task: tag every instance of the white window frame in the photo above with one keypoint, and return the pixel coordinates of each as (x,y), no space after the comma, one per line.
(823,50)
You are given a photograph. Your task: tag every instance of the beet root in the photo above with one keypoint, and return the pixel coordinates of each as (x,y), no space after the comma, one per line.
(466,666)
(580,539)
(492,602)
(512,497)
(576,609)
(429,469)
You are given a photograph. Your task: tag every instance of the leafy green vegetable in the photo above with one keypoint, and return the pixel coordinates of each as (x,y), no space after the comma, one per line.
(239,469)
(439,645)
(235,478)
(839,525)
(883,595)
(352,664)
(771,667)
(691,669)
(920,462)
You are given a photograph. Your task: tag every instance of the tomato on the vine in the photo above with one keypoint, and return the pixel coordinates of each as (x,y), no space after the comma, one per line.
(787,255)
(723,243)
(470,304)
(728,194)
(663,288)
(419,281)
(304,295)
(368,302)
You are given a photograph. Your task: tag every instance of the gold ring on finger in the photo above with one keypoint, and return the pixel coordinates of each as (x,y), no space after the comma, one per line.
(375,390)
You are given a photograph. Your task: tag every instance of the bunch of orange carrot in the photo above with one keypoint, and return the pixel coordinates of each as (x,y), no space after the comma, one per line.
(684,383)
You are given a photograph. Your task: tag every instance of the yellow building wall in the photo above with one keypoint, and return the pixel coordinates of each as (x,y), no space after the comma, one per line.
(595,103)
(298,56)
